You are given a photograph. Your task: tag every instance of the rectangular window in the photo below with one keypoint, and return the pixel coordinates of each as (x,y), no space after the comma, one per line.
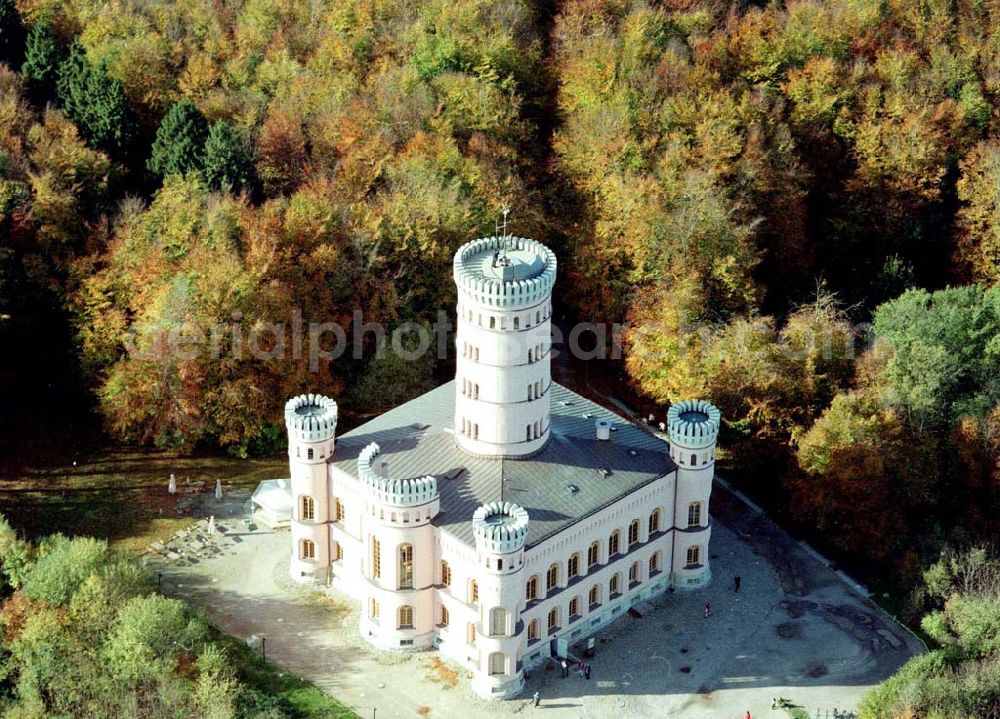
(406,566)
(694,514)
(406,617)
(308,508)
(376,559)
(338,552)
(338,509)
(445,574)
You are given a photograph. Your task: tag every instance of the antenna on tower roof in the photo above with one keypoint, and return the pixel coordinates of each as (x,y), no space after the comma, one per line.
(505,209)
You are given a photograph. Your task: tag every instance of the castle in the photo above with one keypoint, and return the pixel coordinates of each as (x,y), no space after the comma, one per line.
(500,518)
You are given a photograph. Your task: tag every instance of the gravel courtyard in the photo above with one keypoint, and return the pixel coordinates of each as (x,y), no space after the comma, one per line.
(794,630)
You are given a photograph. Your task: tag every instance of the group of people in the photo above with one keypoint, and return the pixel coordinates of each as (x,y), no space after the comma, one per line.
(580,668)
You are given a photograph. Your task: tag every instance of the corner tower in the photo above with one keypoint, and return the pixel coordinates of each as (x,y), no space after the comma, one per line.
(501,529)
(693,426)
(311,421)
(399,565)
(504,337)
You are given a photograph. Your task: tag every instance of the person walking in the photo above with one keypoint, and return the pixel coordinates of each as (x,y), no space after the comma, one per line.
(535,698)
(774,702)
(708,609)
(565,668)
(737,580)
(586,671)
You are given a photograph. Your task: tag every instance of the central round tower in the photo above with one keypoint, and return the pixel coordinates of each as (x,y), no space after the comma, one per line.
(503,374)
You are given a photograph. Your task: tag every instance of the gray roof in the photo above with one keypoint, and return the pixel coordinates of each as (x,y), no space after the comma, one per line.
(417,440)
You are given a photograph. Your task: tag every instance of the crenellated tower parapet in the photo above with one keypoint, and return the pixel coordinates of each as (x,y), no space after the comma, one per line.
(523,277)
(311,418)
(500,527)
(373,471)
(693,423)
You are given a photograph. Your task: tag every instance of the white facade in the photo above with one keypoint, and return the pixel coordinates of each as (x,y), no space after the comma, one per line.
(498,599)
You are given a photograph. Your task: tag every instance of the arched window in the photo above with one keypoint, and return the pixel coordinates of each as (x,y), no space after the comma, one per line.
(633,573)
(533,630)
(445,574)
(654,563)
(614,542)
(694,514)
(444,616)
(376,558)
(694,459)
(498,622)
(406,566)
(338,552)
(372,609)
(473,592)
(553,618)
(613,585)
(633,532)
(470,634)
(307,549)
(493,323)
(573,566)
(654,521)
(307,508)
(498,663)
(593,555)
(574,608)
(693,556)
(594,598)
(552,577)
(405,617)
(530,360)
(517,323)
(531,589)
(309,453)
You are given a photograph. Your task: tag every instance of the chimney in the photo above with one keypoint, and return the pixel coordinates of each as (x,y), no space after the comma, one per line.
(603,429)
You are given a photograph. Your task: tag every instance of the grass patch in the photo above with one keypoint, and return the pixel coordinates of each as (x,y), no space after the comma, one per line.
(113,492)
(304,698)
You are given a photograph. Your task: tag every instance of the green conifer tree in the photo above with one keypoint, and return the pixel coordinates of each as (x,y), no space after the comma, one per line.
(41,61)
(227,164)
(179,146)
(94,101)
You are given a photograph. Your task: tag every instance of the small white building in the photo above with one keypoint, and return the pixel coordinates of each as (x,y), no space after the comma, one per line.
(500,512)
(272,502)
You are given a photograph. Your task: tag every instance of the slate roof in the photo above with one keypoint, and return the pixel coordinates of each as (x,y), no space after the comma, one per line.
(417,439)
